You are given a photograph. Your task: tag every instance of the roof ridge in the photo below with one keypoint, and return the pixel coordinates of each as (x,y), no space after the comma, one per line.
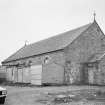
(52,43)
(59,34)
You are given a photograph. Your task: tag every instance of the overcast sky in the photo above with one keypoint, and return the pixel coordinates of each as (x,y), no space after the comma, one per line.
(34,20)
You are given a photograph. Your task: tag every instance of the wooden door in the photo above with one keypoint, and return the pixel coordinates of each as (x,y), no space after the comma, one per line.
(36,74)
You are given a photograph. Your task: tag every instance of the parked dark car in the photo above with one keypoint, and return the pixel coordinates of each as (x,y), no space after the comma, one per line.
(3,94)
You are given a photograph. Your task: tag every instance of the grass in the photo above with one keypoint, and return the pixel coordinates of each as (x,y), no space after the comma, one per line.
(54,95)
(79,96)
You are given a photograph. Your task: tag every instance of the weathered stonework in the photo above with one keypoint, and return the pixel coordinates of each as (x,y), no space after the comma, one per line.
(52,70)
(84,48)
(69,65)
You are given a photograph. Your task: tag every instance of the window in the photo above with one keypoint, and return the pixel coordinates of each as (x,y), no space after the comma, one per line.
(46,59)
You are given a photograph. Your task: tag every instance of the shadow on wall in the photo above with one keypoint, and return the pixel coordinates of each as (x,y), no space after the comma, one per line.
(2,77)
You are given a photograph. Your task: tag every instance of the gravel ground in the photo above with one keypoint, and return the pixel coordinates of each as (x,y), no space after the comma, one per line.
(30,95)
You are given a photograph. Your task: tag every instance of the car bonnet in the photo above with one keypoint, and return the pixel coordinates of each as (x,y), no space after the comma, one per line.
(1,88)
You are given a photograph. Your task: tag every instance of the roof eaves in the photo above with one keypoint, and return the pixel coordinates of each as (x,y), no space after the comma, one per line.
(44,52)
(7,61)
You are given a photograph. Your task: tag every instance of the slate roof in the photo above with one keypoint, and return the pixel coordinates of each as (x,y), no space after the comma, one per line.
(48,45)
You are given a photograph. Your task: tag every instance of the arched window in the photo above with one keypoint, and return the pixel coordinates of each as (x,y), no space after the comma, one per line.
(46,59)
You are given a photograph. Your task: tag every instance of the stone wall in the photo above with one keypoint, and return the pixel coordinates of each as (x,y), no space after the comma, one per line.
(102,70)
(52,67)
(65,66)
(84,48)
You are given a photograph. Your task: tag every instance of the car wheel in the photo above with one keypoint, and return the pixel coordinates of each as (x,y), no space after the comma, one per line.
(2,100)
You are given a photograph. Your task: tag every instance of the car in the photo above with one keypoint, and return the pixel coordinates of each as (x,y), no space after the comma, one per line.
(3,94)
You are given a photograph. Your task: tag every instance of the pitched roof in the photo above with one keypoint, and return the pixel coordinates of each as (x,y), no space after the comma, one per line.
(51,44)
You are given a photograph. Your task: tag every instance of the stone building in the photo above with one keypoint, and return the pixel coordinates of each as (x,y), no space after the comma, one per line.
(2,74)
(68,58)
